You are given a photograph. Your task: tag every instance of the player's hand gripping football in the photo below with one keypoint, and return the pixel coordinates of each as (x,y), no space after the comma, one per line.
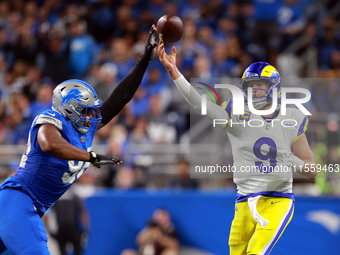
(98,160)
(151,44)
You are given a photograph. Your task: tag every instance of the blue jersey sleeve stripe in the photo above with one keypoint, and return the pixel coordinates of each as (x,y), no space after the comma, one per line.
(303,128)
(229,107)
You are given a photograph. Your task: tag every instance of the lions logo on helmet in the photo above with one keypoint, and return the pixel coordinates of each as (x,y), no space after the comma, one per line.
(77,101)
(266,73)
(73,94)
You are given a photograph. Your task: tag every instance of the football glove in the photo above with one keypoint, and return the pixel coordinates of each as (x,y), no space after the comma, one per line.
(151,44)
(97,160)
(292,161)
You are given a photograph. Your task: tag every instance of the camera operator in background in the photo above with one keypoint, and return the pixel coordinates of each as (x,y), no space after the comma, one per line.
(158,237)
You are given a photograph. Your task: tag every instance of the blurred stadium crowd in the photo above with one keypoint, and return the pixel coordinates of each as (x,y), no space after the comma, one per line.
(43,43)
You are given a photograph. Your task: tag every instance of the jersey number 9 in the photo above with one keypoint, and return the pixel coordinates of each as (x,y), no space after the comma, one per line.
(271,155)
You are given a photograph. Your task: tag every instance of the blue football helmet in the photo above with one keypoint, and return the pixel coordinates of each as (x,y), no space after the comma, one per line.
(77,101)
(264,72)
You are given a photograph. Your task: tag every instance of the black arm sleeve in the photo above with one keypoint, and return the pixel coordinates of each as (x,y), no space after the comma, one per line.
(125,90)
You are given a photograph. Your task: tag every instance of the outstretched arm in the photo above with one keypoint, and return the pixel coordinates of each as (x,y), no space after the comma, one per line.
(187,91)
(51,141)
(125,90)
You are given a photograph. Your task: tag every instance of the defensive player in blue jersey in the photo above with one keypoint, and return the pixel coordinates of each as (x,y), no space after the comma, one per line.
(58,153)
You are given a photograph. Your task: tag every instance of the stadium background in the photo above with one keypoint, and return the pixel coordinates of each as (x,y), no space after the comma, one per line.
(45,42)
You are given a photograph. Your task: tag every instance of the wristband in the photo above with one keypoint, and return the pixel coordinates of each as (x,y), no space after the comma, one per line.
(298,163)
(93,156)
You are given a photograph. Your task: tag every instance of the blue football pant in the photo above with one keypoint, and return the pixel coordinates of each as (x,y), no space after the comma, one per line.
(21,229)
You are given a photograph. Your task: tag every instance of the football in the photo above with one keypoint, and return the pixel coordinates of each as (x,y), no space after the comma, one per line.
(170,28)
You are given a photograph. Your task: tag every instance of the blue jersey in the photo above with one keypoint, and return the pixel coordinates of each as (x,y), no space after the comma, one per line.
(40,175)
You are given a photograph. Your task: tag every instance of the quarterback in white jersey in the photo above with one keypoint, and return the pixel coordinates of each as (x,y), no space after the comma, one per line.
(262,150)
(265,200)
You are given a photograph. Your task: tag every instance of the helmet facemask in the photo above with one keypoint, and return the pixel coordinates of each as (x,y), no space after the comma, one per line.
(260,99)
(89,118)
(78,103)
